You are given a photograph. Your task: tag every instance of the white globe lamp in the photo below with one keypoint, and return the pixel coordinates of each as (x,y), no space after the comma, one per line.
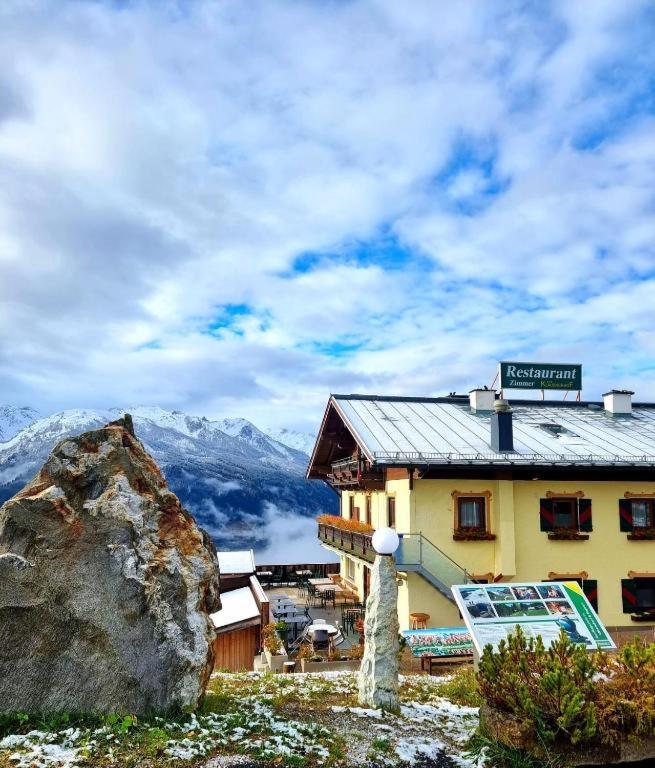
(385,541)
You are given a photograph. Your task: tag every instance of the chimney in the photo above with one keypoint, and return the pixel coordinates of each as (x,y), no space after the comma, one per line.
(502,438)
(482,399)
(618,401)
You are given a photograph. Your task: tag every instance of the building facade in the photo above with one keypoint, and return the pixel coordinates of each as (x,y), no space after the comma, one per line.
(481,490)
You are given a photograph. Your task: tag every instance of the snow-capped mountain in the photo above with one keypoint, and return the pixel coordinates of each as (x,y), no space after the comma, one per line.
(301,441)
(231,475)
(13,419)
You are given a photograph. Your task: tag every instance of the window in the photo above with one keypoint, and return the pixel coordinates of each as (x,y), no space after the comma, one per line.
(564,513)
(563,516)
(356,514)
(645,594)
(391,512)
(471,512)
(351,507)
(642,513)
(350,569)
(368,510)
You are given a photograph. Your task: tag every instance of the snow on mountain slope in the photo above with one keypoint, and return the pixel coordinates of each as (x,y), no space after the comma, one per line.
(232,476)
(300,441)
(13,419)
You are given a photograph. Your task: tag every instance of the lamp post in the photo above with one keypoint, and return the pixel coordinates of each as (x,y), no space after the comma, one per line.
(378,674)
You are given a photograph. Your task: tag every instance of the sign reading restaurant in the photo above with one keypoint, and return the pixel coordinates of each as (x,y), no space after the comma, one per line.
(540,376)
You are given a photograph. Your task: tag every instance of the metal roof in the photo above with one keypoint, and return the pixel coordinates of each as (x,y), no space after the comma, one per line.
(396,430)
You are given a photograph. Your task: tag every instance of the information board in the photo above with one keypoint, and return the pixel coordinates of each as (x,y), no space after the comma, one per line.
(493,611)
(441,641)
(540,376)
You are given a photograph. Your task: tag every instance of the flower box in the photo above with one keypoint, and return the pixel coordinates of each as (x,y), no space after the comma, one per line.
(567,534)
(472,534)
(275,662)
(642,534)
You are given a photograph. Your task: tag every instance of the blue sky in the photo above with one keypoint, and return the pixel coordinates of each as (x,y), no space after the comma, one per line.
(235,208)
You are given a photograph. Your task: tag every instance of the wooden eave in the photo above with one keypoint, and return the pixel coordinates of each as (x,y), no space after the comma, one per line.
(326,449)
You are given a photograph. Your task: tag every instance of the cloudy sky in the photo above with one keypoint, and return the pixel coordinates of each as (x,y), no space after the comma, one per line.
(234,208)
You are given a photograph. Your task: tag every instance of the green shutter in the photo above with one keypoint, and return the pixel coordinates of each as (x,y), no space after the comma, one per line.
(625,515)
(584,515)
(629,595)
(546,517)
(590,589)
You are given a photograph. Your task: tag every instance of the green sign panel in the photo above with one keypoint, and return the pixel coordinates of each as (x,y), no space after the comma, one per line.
(540,376)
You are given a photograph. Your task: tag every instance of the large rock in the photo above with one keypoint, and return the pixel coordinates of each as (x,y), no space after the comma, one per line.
(106,585)
(378,674)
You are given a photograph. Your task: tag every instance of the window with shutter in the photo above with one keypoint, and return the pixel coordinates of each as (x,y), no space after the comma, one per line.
(368,510)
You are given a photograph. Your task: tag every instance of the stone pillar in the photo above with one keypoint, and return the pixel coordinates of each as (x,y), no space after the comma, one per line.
(378,675)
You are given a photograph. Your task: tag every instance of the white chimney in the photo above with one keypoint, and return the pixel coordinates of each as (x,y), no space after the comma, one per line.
(482,399)
(618,401)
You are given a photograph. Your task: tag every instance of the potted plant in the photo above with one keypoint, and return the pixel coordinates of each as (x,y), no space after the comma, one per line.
(274,648)
(282,629)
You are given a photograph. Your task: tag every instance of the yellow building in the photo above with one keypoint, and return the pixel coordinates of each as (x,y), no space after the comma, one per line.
(484,490)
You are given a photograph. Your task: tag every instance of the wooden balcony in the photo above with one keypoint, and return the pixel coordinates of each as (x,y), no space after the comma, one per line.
(354,473)
(349,542)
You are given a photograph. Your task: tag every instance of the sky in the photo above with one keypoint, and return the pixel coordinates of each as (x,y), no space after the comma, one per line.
(235,208)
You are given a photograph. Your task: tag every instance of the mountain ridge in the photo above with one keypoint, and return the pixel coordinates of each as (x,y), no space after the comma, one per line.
(230,474)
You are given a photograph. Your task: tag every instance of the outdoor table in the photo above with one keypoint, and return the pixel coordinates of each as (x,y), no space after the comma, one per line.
(264,573)
(329,628)
(319,582)
(304,573)
(330,588)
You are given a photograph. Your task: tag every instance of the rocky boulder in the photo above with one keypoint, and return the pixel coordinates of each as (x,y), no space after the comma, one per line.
(106,585)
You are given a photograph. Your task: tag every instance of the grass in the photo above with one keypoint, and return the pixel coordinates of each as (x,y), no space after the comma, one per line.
(284,720)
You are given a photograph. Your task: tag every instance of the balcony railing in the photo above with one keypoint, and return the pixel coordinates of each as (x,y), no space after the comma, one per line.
(358,544)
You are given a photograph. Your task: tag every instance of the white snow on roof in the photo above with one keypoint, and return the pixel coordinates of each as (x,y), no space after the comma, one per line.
(236,562)
(397,431)
(238,605)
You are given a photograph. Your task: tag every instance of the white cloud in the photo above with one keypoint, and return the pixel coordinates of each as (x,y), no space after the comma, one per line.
(161,161)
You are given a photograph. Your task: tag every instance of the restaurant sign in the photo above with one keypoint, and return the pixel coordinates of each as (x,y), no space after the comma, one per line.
(540,376)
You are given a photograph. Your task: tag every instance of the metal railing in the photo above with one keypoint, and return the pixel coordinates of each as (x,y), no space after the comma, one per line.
(359,544)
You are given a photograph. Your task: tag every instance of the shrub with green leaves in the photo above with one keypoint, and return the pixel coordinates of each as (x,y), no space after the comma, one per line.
(564,694)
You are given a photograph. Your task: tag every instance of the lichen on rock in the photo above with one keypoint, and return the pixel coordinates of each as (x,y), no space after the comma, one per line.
(106,585)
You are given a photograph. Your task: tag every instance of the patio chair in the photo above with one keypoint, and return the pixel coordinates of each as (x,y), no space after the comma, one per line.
(313,596)
(321,640)
(328,596)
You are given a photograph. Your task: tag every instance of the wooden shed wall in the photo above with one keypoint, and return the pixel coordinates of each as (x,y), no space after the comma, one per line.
(236,650)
